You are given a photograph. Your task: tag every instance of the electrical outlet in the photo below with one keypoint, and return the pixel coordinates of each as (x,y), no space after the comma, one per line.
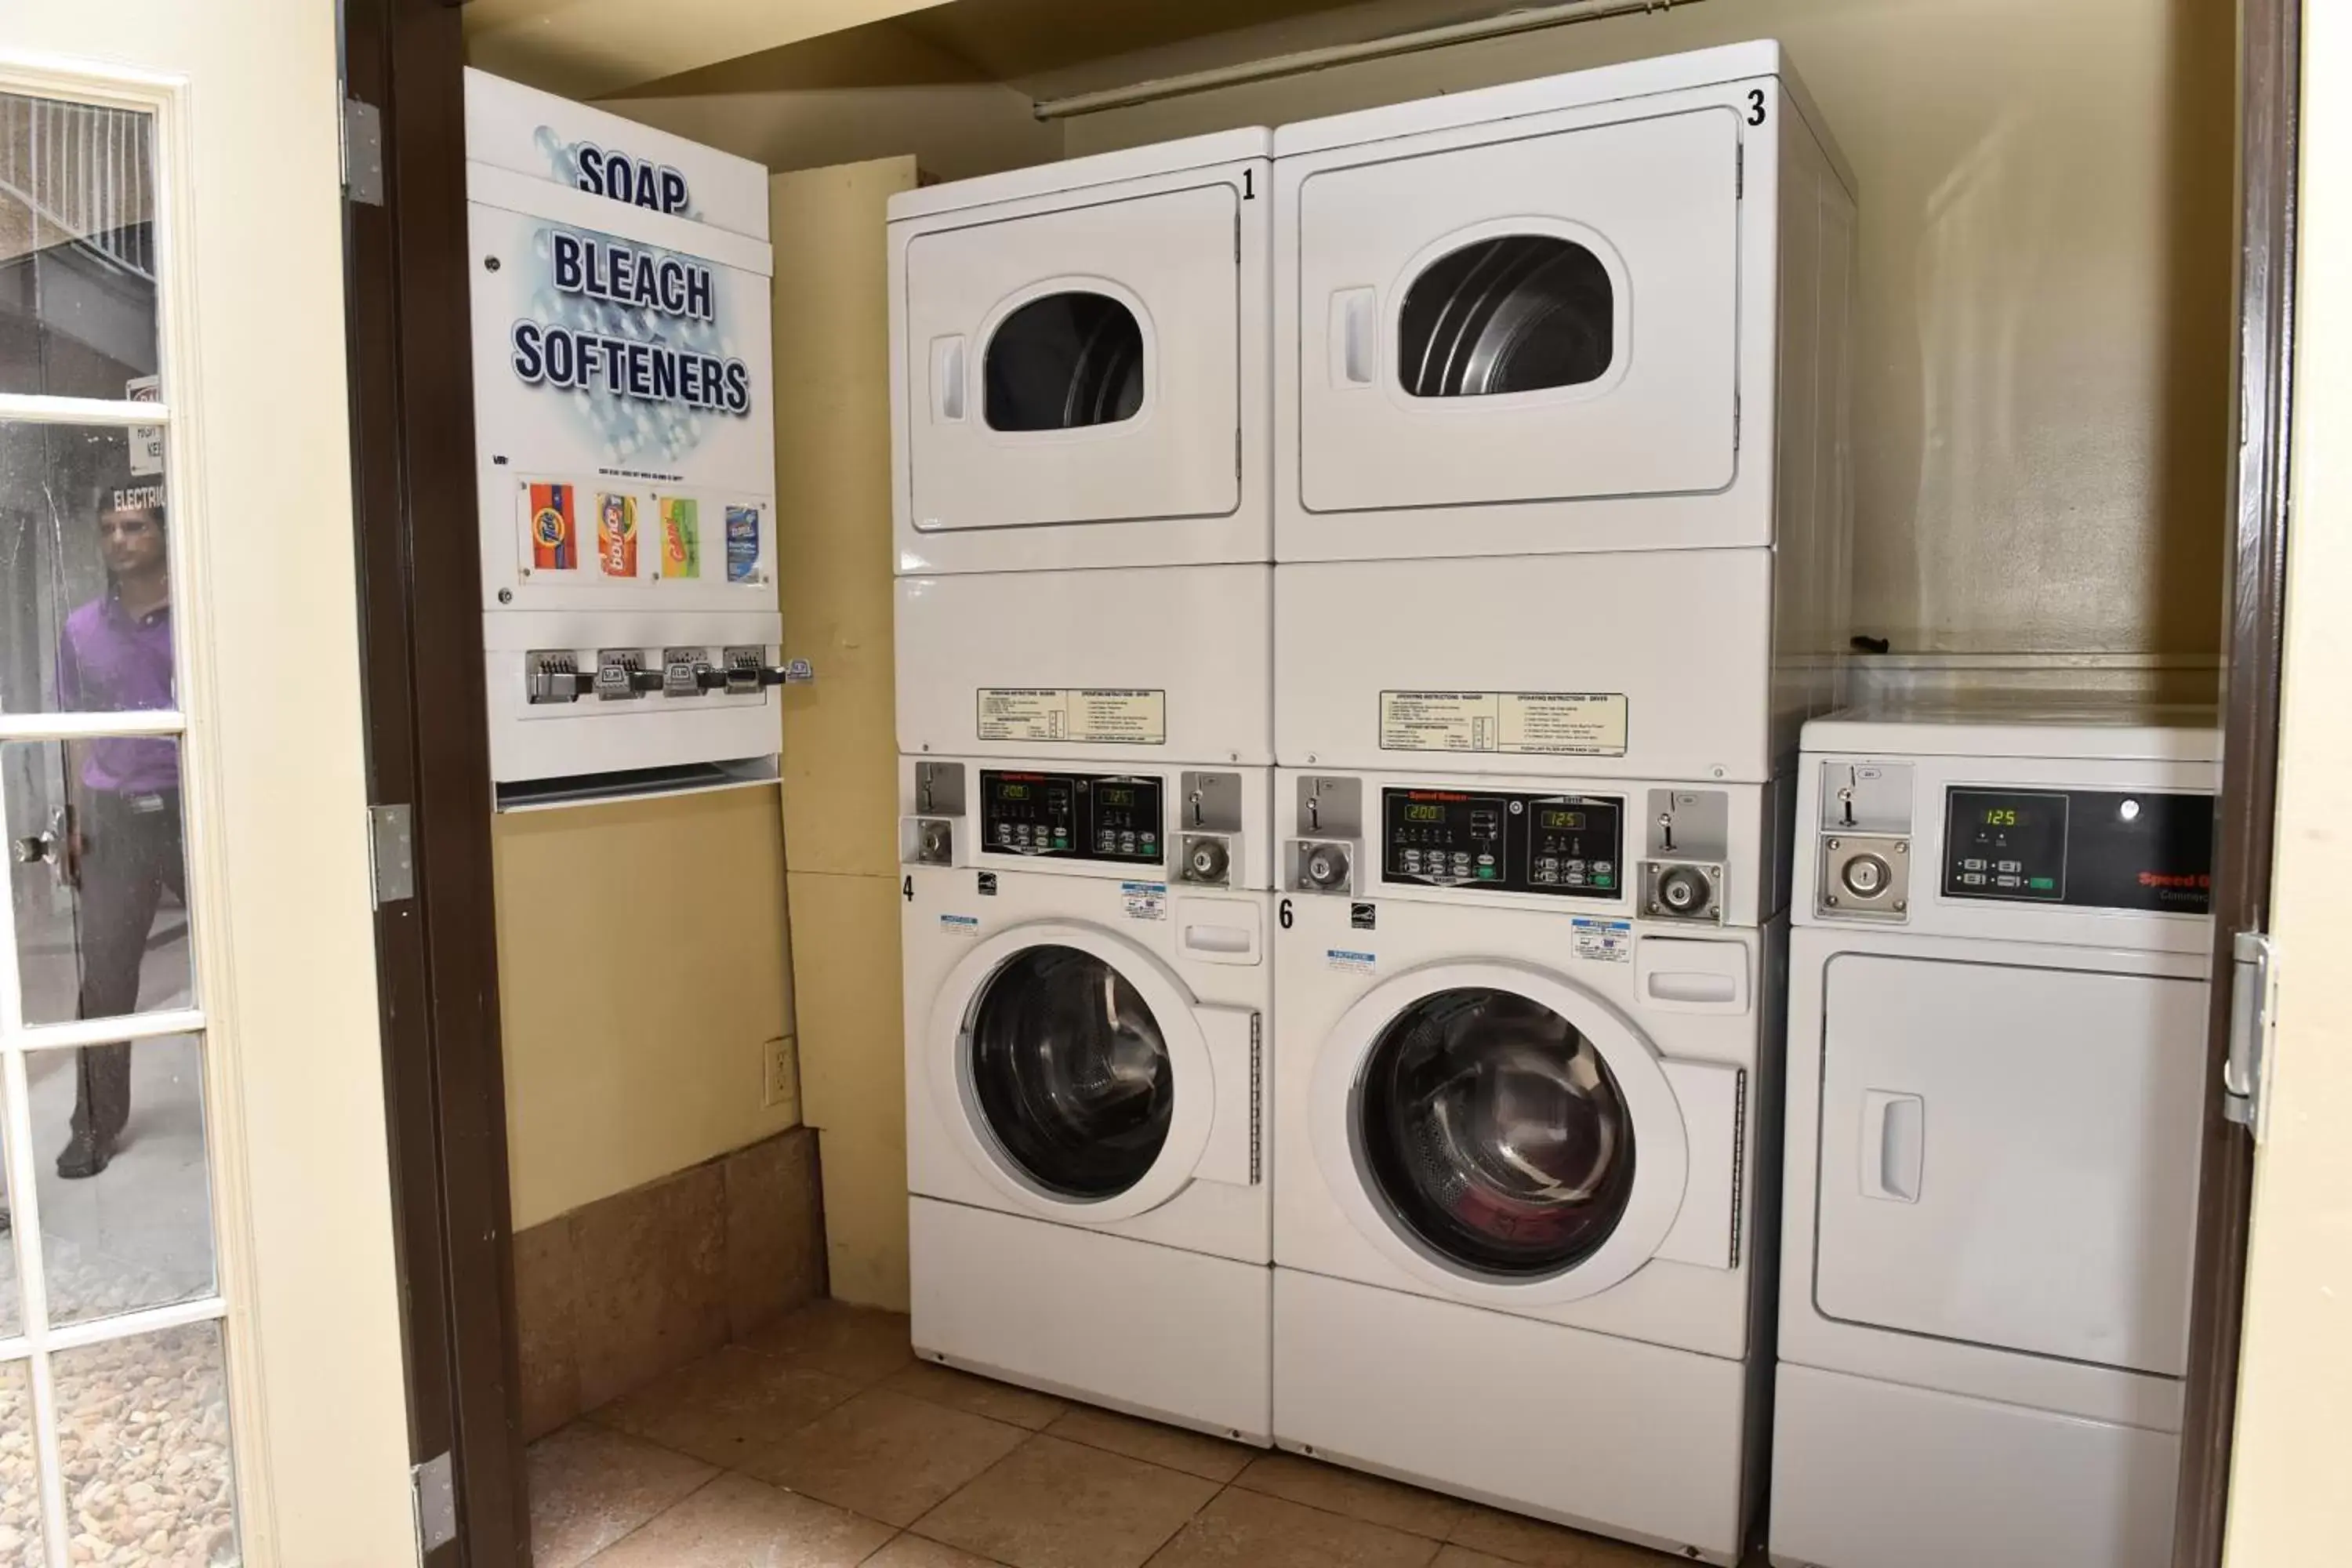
(779,1072)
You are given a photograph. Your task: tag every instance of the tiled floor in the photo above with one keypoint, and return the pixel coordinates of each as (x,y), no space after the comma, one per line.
(824,1442)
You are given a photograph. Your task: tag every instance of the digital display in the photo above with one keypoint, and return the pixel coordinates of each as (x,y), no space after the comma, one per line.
(1424,813)
(2000,816)
(1117,796)
(1561,821)
(1012,792)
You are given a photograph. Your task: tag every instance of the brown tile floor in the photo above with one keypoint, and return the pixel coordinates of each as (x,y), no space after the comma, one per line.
(823,1441)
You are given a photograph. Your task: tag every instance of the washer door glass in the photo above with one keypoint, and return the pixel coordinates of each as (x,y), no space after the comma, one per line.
(1495,1133)
(1065,361)
(1517,313)
(1071,1073)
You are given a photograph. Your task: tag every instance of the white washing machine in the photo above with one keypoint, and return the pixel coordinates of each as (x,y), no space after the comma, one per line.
(1996,1061)
(1079,371)
(1561,375)
(1525,1067)
(1088,985)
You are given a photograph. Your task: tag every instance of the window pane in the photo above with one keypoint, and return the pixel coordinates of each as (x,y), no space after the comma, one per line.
(125,1183)
(1517,313)
(20,1483)
(1065,361)
(99,877)
(85,577)
(143,1440)
(77,249)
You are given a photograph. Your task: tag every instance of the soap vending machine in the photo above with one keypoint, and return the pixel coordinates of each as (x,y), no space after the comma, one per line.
(625,451)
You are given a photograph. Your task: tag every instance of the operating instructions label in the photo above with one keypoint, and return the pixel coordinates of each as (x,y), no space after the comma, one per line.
(1105,715)
(1554,723)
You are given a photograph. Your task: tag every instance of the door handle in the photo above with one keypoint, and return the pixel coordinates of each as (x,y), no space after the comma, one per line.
(1219,938)
(1350,334)
(1894,1145)
(946,379)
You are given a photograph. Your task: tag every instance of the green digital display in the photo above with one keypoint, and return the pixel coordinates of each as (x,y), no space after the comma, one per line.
(1413,813)
(1563,821)
(2000,816)
(1012,792)
(1109,794)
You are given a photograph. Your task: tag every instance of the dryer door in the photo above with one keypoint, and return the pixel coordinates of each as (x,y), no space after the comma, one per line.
(1545,318)
(2008,1156)
(1500,1132)
(1081,366)
(1081,1079)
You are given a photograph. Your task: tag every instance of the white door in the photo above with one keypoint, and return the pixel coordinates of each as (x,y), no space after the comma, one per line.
(191,1072)
(1506,1135)
(2009,1157)
(1082,1080)
(1078,366)
(1539,319)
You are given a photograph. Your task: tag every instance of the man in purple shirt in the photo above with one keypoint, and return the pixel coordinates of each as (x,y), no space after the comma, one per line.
(124,850)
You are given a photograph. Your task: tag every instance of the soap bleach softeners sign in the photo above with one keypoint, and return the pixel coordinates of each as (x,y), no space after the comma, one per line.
(625,462)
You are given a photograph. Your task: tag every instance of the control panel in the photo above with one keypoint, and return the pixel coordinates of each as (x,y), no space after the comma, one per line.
(2096,848)
(1076,817)
(1570,846)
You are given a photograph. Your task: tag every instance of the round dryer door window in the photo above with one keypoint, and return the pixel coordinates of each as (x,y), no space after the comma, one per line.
(1495,1133)
(1070,1073)
(1518,312)
(1062,361)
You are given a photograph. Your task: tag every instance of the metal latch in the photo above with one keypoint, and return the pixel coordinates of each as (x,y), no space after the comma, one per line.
(392,853)
(363,152)
(432,1493)
(2254,980)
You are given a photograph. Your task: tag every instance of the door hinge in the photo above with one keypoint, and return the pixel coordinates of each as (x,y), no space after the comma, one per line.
(1237,238)
(1740,173)
(1735,418)
(433,1493)
(363,153)
(1237,451)
(392,853)
(1257,1099)
(2254,997)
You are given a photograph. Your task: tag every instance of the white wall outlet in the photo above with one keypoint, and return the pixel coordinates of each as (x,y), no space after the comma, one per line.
(780,1073)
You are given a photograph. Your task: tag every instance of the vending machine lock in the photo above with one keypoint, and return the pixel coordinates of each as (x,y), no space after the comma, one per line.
(683,669)
(747,671)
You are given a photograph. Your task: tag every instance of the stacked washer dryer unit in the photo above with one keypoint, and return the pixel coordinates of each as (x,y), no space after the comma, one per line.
(1561,517)
(1083,642)
(1996,1064)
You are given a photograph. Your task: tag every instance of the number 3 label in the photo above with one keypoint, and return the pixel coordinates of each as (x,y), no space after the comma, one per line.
(1756,106)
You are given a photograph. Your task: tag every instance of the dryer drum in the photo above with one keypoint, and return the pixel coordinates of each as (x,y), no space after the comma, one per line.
(1071,1072)
(1062,361)
(1494,1133)
(1517,313)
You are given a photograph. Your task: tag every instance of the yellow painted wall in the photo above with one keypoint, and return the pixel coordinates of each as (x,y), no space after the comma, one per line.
(840,790)
(2042,416)
(2289,1502)
(643,969)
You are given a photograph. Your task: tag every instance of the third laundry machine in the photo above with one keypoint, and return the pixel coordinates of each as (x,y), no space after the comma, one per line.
(1526,1058)
(1561,374)
(1088,985)
(1998,1004)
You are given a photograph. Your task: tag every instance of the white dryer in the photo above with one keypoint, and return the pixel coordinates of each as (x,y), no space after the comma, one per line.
(1524,1080)
(1079,366)
(1998,1008)
(1601,311)
(1087,982)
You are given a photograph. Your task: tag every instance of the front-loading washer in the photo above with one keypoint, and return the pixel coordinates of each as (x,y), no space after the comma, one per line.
(1603,311)
(1087,986)
(1526,1062)
(1079,363)
(1998,1006)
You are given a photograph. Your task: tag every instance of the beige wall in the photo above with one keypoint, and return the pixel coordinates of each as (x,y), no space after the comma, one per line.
(642,971)
(833,464)
(2291,1504)
(2042,406)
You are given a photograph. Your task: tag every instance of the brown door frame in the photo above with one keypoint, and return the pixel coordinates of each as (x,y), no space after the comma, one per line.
(2270,84)
(410,343)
